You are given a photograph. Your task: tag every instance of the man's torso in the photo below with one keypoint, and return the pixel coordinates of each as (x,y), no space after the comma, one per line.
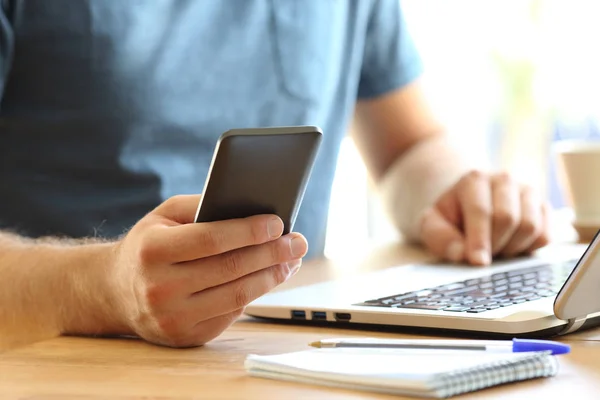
(110,107)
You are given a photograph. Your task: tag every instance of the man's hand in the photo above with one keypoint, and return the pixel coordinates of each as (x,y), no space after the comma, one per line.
(182,283)
(485,216)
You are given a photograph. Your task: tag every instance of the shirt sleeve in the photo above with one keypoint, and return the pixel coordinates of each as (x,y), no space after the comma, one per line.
(390,58)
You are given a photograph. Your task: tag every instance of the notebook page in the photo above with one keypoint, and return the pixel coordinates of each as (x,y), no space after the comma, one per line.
(411,370)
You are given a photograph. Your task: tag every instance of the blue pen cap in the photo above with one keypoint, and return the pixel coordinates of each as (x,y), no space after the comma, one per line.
(523,345)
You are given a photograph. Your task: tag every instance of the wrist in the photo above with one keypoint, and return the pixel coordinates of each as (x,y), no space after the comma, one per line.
(91,305)
(415,181)
(51,287)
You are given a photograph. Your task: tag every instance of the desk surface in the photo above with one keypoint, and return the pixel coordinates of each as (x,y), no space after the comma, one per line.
(85,368)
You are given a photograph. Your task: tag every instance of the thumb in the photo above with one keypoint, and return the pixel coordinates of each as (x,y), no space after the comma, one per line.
(441,237)
(180,208)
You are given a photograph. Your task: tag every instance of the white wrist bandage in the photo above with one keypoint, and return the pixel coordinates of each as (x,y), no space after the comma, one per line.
(417,179)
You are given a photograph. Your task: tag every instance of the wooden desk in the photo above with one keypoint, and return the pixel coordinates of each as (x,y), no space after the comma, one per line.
(126,369)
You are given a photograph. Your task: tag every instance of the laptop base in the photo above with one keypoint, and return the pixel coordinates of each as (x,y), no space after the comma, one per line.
(426,331)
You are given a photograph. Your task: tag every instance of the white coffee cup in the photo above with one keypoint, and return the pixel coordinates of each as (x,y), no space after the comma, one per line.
(579,177)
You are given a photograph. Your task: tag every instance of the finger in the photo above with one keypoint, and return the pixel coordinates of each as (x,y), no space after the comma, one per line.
(202,333)
(180,208)
(529,227)
(506,211)
(217,270)
(208,330)
(173,244)
(474,195)
(544,237)
(449,206)
(441,237)
(234,295)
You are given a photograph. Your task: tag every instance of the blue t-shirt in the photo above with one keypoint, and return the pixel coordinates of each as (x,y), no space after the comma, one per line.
(110,107)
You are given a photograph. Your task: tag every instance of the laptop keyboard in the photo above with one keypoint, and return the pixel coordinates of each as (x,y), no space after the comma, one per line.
(485,293)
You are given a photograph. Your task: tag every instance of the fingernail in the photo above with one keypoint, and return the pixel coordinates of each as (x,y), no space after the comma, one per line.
(481,257)
(456,251)
(298,247)
(275,227)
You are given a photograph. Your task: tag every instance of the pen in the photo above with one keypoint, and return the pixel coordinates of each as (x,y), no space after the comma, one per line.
(499,346)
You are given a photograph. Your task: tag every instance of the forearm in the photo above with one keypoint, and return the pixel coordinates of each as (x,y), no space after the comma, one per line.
(418,178)
(49,287)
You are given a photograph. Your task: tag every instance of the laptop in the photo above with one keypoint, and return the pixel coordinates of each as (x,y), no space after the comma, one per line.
(553,293)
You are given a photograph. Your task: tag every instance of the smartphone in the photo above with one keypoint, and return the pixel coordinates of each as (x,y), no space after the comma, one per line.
(259,171)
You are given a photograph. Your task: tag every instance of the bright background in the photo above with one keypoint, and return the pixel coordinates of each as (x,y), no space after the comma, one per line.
(507,77)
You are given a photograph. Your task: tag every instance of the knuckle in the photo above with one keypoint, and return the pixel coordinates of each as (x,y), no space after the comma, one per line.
(155,294)
(169,204)
(475,175)
(544,240)
(233,264)
(528,227)
(277,250)
(256,230)
(472,177)
(480,210)
(503,177)
(147,252)
(279,273)
(174,200)
(243,296)
(212,240)
(504,219)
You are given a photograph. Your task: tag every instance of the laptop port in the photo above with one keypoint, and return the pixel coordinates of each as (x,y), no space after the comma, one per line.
(319,316)
(298,314)
(342,317)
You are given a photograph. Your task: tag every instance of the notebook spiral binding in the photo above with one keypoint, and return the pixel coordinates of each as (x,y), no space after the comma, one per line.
(496,373)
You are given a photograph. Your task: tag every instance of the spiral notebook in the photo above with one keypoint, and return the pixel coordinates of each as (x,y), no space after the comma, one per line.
(416,373)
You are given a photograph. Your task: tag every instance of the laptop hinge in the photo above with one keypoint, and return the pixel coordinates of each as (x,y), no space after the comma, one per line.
(573,324)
